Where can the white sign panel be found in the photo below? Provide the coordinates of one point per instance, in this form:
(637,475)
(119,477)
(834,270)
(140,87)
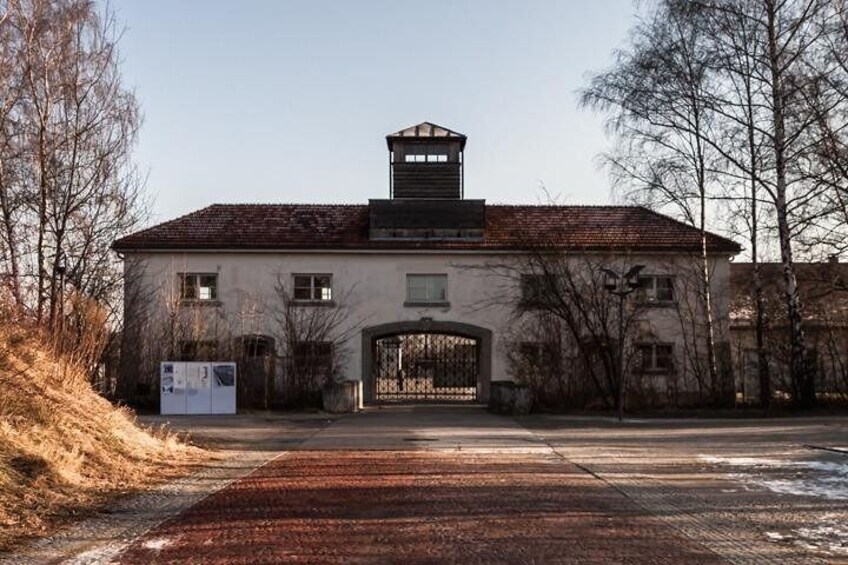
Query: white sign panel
(197,388)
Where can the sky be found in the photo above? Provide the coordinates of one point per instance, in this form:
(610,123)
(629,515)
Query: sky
(290,101)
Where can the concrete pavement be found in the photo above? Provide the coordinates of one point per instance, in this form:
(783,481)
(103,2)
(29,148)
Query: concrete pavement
(434,428)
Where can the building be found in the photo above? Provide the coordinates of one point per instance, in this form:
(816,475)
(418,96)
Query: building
(412,296)
(823,290)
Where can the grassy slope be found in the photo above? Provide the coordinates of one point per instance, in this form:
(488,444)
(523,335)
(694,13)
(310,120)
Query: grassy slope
(64,450)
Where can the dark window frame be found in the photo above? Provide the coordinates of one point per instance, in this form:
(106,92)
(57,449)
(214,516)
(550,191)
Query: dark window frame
(658,362)
(313,291)
(429,299)
(651,291)
(537,289)
(427,154)
(308,357)
(191,287)
(201,350)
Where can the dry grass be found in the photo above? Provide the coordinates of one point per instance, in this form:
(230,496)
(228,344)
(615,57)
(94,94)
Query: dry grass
(64,450)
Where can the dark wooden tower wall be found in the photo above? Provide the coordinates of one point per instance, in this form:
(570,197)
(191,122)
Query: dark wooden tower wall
(426,162)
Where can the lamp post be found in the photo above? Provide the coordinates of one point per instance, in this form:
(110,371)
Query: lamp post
(621,286)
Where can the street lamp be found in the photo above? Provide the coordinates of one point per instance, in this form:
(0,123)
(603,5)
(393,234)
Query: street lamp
(621,285)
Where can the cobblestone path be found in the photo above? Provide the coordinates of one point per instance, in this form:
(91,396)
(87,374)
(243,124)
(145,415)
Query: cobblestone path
(417,507)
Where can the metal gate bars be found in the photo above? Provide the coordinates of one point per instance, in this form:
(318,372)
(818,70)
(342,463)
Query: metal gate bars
(425,367)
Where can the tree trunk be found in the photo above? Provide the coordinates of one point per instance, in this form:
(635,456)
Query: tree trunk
(803,394)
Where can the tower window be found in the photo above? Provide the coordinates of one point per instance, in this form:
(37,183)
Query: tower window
(426,154)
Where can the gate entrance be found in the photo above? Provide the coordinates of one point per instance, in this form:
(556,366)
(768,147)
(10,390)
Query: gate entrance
(425,367)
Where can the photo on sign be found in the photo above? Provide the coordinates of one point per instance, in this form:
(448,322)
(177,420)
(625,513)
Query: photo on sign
(225,375)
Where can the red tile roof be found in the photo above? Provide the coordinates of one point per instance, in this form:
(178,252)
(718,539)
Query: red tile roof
(328,226)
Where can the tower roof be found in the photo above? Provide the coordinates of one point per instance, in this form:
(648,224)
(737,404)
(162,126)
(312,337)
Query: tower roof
(426,131)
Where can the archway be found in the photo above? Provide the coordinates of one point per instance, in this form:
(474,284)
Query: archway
(426,362)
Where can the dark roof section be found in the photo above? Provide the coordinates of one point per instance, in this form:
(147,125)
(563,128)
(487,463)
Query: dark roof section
(426,131)
(325,226)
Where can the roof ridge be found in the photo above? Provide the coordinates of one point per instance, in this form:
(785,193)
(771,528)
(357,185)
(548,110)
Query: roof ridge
(316,204)
(539,205)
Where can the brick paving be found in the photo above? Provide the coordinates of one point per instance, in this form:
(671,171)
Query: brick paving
(417,507)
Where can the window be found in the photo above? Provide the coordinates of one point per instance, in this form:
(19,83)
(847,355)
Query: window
(657,288)
(312,358)
(427,154)
(197,350)
(535,289)
(313,287)
(538,354)
(198,286)
(427,288)
(656,357)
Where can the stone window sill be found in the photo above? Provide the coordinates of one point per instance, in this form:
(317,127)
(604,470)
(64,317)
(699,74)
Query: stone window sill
(324,303)
(198,302)
(408,304)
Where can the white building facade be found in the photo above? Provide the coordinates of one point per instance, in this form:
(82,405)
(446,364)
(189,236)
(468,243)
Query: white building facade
(417,298)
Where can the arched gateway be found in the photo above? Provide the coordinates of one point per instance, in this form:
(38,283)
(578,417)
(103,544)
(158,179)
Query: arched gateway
(426,362)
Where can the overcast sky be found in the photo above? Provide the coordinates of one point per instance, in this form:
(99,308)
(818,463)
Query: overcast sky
(290,101)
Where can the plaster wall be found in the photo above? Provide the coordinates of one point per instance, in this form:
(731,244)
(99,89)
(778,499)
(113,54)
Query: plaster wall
(373,287)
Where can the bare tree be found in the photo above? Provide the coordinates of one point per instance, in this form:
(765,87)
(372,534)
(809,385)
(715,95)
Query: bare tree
(560,295)
(656,96)
(68,187)
(758,67)
(313,341)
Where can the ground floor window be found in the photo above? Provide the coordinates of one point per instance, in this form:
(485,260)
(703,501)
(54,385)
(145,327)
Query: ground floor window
(656,357)
(312,357)
(197,350)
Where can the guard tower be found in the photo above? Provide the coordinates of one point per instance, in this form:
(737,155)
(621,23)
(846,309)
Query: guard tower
(426,162)
(426,189)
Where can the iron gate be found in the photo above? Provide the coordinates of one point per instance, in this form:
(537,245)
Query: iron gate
(425,367)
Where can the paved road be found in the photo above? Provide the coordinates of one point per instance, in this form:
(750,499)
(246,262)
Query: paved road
(460,485)
(754,491)
(415,485)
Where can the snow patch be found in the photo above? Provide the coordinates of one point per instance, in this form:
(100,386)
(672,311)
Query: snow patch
(830,536)
(822,479)
(157,544)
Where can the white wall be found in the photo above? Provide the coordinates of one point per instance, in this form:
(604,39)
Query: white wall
(377,286)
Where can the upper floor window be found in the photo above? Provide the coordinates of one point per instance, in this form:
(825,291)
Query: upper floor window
(198,286)
(536,289)
(426,288)
(313,287)
(657,288)
(656,357)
